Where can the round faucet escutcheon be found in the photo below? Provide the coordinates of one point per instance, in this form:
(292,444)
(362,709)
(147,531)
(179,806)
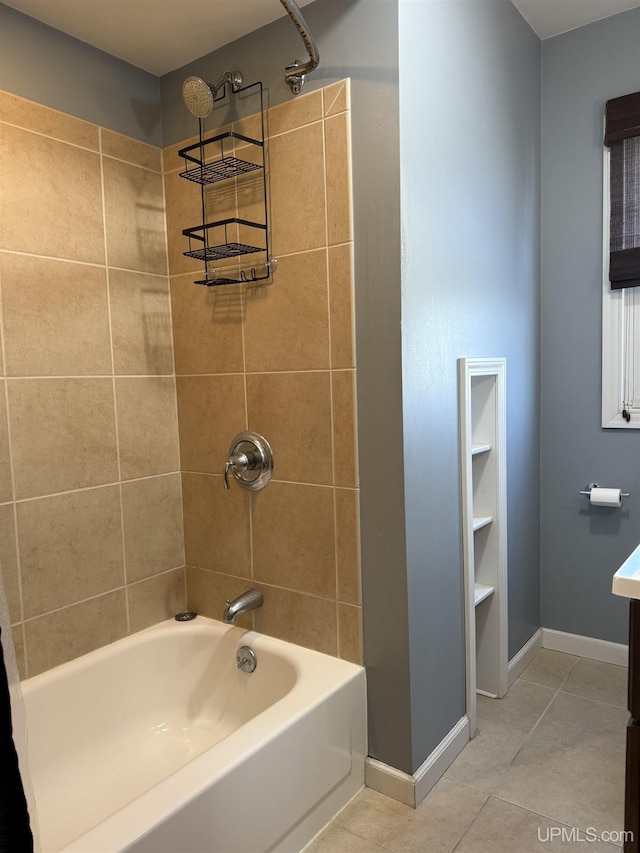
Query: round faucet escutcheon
(250,461)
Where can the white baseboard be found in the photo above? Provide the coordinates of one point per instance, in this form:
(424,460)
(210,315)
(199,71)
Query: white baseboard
(585,647)
(521,660)
(412,789)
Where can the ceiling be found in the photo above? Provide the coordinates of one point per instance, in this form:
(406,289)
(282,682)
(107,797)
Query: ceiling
(160,35)
(157,35)
(551,17)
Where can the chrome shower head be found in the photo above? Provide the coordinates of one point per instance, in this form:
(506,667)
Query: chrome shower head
(199,95)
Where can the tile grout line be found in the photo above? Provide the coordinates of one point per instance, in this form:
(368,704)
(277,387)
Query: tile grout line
(111,483)
(173,365)
(508,802)
(101,595)
(591,699)
(475,818)
(332,414)
(113,388)
(539,720)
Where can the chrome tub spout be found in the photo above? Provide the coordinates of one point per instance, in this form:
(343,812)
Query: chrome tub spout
(249,600)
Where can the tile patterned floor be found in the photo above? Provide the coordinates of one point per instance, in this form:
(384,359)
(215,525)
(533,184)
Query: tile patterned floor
(544,772)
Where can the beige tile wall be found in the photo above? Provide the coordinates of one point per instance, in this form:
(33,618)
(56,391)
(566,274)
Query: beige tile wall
(278,359)
(91,525)
(92,503)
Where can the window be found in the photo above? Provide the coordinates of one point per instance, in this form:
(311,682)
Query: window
(621,265)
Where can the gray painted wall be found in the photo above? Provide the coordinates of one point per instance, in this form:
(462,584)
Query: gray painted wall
(470,163)
(581,546)
(45,65)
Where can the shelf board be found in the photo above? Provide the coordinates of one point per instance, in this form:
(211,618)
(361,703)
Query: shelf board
(480,521)
(480,448)
(482,591)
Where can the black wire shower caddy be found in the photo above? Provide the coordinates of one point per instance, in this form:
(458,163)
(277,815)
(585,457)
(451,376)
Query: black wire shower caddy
(222,158)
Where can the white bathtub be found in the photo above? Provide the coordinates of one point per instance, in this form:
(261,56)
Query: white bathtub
(159,744)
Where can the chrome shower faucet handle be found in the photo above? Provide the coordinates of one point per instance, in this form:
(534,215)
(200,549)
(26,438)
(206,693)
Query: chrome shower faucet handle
(250,461)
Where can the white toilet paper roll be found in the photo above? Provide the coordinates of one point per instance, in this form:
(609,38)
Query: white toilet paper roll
(605,497)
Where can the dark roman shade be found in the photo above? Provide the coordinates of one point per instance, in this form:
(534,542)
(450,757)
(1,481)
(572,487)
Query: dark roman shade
(622,135)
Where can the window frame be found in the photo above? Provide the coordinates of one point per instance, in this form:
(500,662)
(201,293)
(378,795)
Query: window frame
(614,304)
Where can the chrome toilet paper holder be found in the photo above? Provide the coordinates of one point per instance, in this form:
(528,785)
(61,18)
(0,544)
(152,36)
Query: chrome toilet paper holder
(587,492)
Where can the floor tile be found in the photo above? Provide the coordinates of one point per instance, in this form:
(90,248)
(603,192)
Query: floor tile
(549,668)
(519,710)
(503,828)
(435,826)
(484,759)
(503,726)
(566,785)
(584,724)
(335,838)
(594,679)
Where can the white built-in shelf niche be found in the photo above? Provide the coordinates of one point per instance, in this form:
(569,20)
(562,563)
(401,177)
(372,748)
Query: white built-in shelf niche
(482,399)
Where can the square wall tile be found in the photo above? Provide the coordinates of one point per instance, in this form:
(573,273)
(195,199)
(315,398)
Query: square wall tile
(61,206)
(9,562)
(341,306)
(287,325)
(337,97)
(65,634)
(49,122)
(298,618)
(184,210)
(348,546)
(338,165)
(140,323)
(211,412)
(134,217)
(293,412)
(350,633)
(70,336)
(217,528)
(297,188)
(78,446)
(70,548)
(295,113)
(344,428)
(130,150)
(156,599)
(171,162)
(294,538)
(152,517)
(207,327)
(6,487)
(147,426)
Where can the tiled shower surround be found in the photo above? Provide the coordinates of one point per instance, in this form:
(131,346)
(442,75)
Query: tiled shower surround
(117,430)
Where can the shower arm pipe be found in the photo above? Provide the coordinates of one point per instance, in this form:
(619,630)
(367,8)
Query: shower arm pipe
(294,73)
(232,77)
